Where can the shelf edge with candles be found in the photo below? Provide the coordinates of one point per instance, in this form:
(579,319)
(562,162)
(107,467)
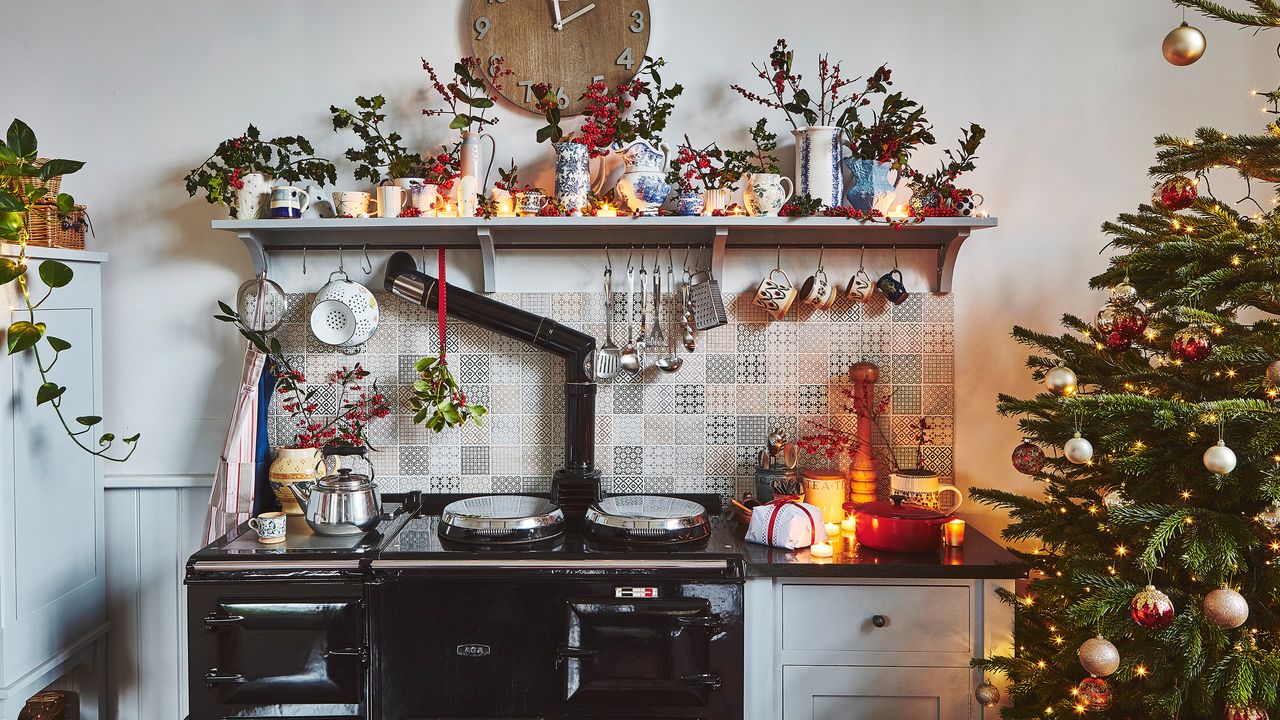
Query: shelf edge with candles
(942,236)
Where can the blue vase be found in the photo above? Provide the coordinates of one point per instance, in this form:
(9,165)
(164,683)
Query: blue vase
(689,203)
(869,184)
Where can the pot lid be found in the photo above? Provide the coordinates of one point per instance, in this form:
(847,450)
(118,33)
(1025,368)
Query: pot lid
(345,480)
(896,510)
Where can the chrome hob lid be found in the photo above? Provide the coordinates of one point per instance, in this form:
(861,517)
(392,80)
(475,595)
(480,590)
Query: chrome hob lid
(648,519)
(493,519)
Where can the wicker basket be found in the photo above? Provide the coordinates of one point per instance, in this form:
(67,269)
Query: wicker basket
(48,229)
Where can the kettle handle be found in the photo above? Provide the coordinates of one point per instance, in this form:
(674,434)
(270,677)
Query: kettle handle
(350,451)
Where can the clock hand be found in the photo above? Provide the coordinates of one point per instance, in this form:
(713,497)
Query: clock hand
(555,5)
(578,14)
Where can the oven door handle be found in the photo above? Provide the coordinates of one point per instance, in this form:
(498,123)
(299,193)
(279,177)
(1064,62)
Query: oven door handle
(359,653)
(213,622)
(710,680)
(213,679)
(569,652)
(712,622)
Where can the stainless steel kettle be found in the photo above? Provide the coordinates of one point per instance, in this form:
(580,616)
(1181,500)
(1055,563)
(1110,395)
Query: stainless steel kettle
(340,504)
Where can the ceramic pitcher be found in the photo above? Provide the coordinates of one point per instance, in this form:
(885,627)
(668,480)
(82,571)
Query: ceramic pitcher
(643,184)
(818,163)
(923,489)
(470,183)
(290,466)
(764,193)
(869,185)
(251,200)
(573,176)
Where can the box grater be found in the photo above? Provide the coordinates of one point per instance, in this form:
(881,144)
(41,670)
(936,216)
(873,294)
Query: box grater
(706,302)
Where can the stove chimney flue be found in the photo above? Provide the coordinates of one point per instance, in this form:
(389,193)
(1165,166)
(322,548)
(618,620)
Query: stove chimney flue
(577,485)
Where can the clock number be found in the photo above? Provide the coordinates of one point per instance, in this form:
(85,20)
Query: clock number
(638,25)
(482,27)
(528,91)
(493,1)
(625,59)
(562,100)
(494,62)
(597,79)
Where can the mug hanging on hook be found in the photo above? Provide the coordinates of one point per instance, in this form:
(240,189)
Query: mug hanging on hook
(891,283)
(860,287)
(818,291)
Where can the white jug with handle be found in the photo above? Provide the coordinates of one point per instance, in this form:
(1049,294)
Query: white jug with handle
(923,489)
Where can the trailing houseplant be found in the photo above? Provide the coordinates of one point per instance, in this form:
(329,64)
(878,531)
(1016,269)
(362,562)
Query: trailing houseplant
(236,160)
(382,149)
(22,185)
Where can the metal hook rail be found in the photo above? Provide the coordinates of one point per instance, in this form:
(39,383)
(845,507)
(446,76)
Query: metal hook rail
(711,235)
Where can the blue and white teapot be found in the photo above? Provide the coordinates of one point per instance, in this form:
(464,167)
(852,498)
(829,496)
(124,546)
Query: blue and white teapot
(643,184)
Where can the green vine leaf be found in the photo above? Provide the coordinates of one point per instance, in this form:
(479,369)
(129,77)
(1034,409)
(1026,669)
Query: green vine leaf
(10,270)
(10,202)
(21,139)
(58,166)
(132,438)
(89,420)
(106,438)
(58,344)
(49,392)
(55,274)
(24,335)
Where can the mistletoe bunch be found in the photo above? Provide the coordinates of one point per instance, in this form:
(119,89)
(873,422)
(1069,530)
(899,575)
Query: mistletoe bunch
(438,402)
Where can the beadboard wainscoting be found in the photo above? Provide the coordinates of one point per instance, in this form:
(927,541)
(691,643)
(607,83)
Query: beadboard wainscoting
(693,431)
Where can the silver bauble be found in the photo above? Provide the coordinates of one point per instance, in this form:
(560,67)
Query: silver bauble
(1124,291)
(1060,380)
(1183,45)
(1099,657)
(1226,608)
(986,694)
(1115,499)
(1220,459)
(1273,374)
(1078,450)
(1270,517)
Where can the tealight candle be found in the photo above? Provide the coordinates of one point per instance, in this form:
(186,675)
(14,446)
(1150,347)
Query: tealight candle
(833,529)
(898,213)
(821,550)
(953,533)
(607,210)
(848,525)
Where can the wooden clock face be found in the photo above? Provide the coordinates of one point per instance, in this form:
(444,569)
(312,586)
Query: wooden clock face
(599,40)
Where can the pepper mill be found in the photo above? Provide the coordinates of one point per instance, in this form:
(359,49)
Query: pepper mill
(862,472)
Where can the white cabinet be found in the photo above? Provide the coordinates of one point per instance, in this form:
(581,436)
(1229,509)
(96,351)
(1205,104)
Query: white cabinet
(867,649)
(52,565)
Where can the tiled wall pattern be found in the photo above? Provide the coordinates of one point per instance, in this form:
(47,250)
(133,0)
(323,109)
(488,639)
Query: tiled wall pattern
(696,430)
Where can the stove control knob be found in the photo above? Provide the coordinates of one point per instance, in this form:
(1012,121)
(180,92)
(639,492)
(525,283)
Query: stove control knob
(879,620)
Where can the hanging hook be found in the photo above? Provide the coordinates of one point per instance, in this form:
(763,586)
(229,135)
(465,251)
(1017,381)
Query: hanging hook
(778,261)
(685,264)
(340,258)
(895,257)
(608,261)
(304,259)
(631,249)
(862,258)
(367,270)
(266,265)
(671,261)
(424,258)
(821,249)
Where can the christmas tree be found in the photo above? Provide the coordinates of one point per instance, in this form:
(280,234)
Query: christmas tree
(1154,587)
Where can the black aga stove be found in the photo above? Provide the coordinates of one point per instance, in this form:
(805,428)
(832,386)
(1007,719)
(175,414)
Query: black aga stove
(421,620)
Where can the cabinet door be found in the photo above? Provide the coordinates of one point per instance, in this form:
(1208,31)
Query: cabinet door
(874,693)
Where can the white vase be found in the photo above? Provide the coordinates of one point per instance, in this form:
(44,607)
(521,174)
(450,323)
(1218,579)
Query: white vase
(252,199)
(643,184)
(716,199)
(818,163)
(470,183)
(764,193)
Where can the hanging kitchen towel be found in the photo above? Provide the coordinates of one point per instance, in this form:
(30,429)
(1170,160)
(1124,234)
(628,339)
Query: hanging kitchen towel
(786,523)
(264,500)
(231,499)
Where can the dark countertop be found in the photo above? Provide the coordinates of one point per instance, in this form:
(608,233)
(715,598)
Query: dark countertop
(980,558)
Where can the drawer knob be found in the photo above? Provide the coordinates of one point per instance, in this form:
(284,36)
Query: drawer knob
(879,620)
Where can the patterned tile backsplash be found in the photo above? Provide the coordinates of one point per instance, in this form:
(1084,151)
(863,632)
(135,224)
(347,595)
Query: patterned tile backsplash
(696,430)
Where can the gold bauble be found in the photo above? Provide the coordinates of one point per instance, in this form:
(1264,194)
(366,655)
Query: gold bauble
(1183,45)
(986,694)
(1099,657)
(1226,608)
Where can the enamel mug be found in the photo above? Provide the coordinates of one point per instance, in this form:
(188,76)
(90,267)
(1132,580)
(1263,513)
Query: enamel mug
(270,526)
(922,488)
(774,295)
(891,285)
(531,202)
(859,288)
(288,201)
(351,204)
(391,200)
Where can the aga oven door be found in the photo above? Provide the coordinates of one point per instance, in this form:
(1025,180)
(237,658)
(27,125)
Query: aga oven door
(639,653)
(301,648)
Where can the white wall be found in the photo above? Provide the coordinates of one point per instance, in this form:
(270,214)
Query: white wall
(1071,93)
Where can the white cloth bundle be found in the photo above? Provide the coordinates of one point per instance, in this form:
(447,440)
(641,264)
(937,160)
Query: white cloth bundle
(796,525)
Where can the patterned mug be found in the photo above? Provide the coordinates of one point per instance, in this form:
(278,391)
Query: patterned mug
(859,289)
(922,488)
(531,202)
(891,285)
(270,527)
(775,296)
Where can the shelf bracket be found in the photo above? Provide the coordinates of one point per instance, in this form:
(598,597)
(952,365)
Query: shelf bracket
(718,245)
(257,253)
(488,258)
(947,254)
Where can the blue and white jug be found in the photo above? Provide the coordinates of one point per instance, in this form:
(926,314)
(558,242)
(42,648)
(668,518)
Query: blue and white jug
(643,184)
(869,185)
(288,201)
(573,176)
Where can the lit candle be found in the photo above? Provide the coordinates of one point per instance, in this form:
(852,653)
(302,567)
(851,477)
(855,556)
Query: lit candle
(848,525)
(446,210)
(821,550)
(737,209)
(833,529)
(607,210)
(898,213)
(953,533)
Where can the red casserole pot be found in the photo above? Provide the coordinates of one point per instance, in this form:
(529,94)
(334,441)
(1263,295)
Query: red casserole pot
(896,527)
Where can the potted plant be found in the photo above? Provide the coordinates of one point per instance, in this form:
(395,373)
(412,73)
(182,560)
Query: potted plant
(240,171)
(638,140)
(717,171)
(26,181)
(574,152)
(764,193)
(382,151)
(467,99)
(880,147)
(937,193)
(815,117)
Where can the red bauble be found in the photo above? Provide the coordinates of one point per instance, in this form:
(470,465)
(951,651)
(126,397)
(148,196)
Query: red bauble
(1176,193)
(1094,694)
(1028,458)
(1151,609)
(1129,321)
(1191,343)
(1116,341)
(1245,712)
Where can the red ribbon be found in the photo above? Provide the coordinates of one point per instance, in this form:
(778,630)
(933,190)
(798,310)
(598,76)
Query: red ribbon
(781,501)
(441,306)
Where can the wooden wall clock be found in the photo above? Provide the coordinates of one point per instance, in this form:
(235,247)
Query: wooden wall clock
(567,43)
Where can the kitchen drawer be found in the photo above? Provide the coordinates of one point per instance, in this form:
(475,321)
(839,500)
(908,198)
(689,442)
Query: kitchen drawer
(872,693)
(933,619)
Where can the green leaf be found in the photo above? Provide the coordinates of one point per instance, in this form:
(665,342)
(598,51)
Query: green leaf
(55,274)
(48,392)
(106,438)
(58,344)
(21,139)
(10,270)
(10,202)
(459,122)
(7,156)
(89,420)
(544,134)
(58,166)
(24,335)
(132,438)
(66,203)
